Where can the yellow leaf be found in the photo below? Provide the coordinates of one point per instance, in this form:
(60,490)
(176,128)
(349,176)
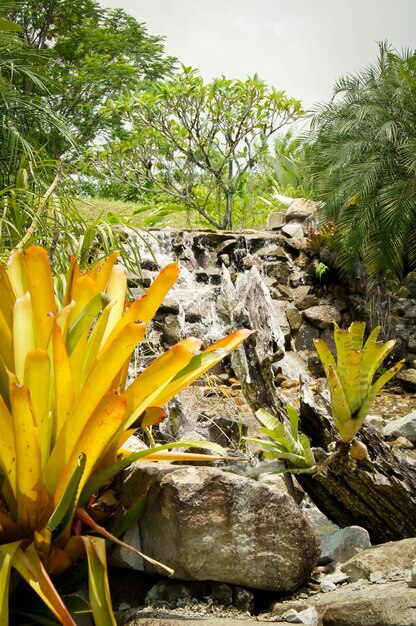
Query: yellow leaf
(116,289)
(157,291)
(6,343)
(64,386)
(37,380)
(156,377)
(31,495)
(99,591)
(7,297)
(90,395)
(41,289)
(101,271)
(325,354)
(23,333)
(201,363)
(93,440)
(73,275)
(16,273)
(340,410)
(83,290)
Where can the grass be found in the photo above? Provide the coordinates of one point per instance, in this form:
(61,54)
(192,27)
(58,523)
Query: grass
(95,208)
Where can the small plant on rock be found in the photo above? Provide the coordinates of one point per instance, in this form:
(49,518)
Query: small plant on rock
(66,409)
(351,378)
(285,444)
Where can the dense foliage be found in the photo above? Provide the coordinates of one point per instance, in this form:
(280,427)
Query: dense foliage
(94,54)
(362,165)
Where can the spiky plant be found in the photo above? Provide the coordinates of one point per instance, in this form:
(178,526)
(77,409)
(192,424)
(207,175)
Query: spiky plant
(284,444)
(351,375)
(65,410)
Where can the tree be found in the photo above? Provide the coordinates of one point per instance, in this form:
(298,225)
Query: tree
(96,53)
(194,141)
(362,165)
(26,122)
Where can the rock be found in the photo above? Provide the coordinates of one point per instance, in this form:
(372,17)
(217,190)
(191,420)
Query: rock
(403,427)
(272,252)
(383,558)
(300,209)
(225,430)
(189,621)
(308,616)
(307,301)
(279,608)
(322,316)
(377,422)
(326,586)
(294,318)
(345,543)
(411,580)
(212,525)
(305,336)
(172,331)
(408,378)
(402,443)
(293,230)
(275,221)
(336,578)
(392,604)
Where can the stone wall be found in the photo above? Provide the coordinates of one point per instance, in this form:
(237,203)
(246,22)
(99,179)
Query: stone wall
(303,305)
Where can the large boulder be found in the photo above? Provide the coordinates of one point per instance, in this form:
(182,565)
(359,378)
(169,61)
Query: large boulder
(383,560)
(208,524)
(392,604)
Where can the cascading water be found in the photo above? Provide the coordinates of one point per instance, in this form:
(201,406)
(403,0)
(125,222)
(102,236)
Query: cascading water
(193,302)
(211,263)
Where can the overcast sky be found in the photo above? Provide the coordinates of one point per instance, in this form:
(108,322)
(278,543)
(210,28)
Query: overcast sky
(301,46)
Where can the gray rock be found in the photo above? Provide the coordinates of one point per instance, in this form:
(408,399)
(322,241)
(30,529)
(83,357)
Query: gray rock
(300,209)
(393,555)
(308,616)
(326,586)
(305,336)
(294,318)
(275,221)
(293,230)
(403,427)
(322,316)
(411,580)
(392,604)
(377,422)
(211,525)
(345,543)
(407,377)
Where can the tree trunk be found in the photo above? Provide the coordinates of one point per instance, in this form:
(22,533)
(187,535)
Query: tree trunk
(378,494)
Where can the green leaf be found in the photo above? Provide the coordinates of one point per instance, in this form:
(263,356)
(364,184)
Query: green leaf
(9,27)
(7,552)
(84,320)
(99,591)
(64,512)
(130,518)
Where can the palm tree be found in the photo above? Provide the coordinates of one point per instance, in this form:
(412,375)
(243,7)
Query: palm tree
(361,161)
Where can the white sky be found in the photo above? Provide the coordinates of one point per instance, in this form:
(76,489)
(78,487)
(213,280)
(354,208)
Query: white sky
(301,46)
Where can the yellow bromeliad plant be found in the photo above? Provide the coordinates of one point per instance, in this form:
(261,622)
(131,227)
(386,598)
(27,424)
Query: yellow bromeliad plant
(351,375)
(65,410)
